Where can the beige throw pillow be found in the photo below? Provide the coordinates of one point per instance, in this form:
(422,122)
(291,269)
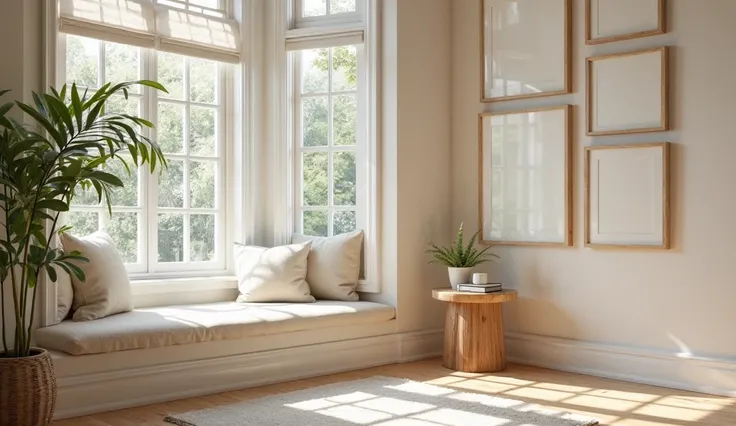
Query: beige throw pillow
(333,266)
(106,290)
(275,274)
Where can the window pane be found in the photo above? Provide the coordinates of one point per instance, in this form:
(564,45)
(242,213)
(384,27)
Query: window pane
(344,116)
(202,131)
(123,228)
(170,237)
(315,189)
(342,6)
(202,80)
(122,63)
(315,67)
(314,223)
(171,185)
(343,166)
(202,184)
(128,195)
(85,196)
(315,127)
(83,223)
(202,238)
(120,105)
(314,7)
(170,127)
(82,61)
(343,221)
(344,68)
(171,74)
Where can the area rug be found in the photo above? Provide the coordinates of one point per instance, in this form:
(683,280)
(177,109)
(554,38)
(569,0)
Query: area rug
(379,401)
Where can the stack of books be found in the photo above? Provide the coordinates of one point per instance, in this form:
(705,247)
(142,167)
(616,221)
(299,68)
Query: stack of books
(479,288)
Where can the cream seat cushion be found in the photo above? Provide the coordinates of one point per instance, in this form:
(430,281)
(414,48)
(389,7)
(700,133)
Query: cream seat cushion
(179,325)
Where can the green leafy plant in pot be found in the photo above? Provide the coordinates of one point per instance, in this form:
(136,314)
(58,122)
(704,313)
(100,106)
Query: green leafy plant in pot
(68,144)
(460,259)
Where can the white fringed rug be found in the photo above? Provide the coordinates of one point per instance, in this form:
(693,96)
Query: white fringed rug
(383,401)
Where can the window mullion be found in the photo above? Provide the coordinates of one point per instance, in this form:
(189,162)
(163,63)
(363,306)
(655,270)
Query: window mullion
(186,217)
(151,103)
(330,143)
(101,64)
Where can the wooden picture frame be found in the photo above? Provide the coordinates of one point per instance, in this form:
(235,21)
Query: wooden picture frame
(628,92)
(637,21)
(527,46)
(532,150)
(632,213)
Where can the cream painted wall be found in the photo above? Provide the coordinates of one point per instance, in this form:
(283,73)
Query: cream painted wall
(676,301)
(415,156)
(21,71)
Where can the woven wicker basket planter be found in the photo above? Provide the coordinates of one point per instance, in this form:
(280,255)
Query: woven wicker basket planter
(27,390)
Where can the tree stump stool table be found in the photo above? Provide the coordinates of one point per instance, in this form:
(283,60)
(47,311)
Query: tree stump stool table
(474,330)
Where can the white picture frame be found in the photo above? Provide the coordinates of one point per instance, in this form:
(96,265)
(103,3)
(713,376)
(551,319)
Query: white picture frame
(608,21)
(628,92)
(525,177)
(627,202)
(525,49)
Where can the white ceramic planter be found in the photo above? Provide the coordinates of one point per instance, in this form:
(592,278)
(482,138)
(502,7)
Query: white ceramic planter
(459,276)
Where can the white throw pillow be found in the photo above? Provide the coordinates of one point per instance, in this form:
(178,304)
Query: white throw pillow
(106,290)
(275,274)
(333,266)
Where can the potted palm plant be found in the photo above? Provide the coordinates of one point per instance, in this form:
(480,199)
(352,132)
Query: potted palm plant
(460,259)
(71,140)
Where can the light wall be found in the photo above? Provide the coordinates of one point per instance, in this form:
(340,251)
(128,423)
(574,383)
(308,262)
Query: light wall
(675,302)
(415,156)
(21,71)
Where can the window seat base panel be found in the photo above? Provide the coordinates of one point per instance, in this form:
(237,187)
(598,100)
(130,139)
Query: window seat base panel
(162,379)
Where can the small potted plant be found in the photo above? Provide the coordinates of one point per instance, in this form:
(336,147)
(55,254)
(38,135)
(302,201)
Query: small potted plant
(459,259)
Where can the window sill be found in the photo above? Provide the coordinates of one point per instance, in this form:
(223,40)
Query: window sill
(181,285)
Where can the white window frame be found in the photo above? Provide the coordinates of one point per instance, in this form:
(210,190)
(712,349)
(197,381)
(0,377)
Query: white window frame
(315,29)
(359,148)
(148,266)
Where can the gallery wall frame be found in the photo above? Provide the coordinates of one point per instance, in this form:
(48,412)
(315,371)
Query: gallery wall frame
(527,49)
(537,162)
(627,196)
(608,21)
(628,92)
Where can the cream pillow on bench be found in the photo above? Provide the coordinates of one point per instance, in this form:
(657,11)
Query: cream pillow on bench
(333,266)
(275,274)
(106,290)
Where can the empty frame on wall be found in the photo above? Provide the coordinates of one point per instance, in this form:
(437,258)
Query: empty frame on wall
(615,20)
(627,196)
(628,92)
(525,168)
(525,48)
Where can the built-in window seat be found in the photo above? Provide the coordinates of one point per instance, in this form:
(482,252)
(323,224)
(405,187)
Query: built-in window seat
(187,324)
(165,353)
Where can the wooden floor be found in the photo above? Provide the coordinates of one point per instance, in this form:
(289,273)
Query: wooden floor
(611,402)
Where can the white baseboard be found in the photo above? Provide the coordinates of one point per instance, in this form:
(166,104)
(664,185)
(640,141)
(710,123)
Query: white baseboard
(98,392)
(707,375)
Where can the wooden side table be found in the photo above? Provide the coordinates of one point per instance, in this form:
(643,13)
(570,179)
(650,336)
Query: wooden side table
(474,330)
